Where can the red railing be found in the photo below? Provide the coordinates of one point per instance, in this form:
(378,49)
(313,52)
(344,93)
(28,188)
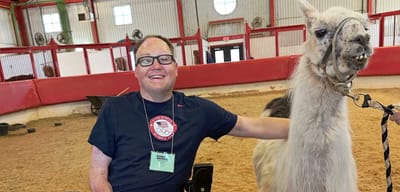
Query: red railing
(381,18)
(275,31)
(55,48)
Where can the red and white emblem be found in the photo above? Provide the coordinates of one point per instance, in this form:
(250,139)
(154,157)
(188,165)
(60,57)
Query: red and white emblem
(162,127)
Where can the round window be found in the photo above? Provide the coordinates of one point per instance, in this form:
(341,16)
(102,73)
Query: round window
(224,7)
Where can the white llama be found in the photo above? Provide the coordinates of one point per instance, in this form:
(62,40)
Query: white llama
(317,156)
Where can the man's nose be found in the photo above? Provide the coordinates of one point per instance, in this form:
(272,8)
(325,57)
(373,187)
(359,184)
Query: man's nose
(156,62)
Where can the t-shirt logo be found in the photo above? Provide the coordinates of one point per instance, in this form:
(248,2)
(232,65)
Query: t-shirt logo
(162,127)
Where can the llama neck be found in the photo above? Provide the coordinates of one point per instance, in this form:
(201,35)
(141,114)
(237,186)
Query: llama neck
(316,86)
(318,110)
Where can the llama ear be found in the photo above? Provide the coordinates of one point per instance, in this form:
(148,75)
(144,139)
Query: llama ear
(309,11)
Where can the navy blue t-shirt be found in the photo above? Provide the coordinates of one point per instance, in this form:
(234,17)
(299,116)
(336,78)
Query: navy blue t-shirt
(122,133)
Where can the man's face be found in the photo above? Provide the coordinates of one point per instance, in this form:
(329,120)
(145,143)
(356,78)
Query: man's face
(156,78)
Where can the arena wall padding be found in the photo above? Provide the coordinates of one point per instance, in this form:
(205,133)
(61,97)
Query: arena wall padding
(248,71)
(69,89)
(17,96)
(384,61)
(21,95)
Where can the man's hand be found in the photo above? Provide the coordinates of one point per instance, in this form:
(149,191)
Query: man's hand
(396,117)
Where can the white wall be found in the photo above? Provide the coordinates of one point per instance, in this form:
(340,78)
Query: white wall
(33,21)
(71,64)
(150,16)
(20,64)
(259,49)
(247,9)
(100,61)
(160,16)
(387,5)
(7,36)
(12,68)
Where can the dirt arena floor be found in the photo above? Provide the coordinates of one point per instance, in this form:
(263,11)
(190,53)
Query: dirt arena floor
(56,158)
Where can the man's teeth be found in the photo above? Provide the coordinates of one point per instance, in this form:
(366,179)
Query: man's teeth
(156,76)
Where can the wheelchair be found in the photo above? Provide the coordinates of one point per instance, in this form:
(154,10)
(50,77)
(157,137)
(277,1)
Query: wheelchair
(201,179)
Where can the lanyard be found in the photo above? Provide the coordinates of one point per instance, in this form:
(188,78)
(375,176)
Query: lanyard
(148,125)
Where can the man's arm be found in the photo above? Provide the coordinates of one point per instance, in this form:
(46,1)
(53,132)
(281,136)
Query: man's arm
(98,173)
(262,128)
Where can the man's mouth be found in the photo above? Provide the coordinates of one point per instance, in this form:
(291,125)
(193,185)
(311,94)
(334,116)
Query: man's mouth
(156,76)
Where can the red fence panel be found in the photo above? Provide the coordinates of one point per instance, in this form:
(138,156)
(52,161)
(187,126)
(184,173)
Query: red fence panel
(384,61)
(18,95)
(247,71)
(69,89)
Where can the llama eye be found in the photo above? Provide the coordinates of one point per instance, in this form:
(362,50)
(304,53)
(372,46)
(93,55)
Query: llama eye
(320,33)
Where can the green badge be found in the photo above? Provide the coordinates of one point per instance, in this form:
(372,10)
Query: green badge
(163,162)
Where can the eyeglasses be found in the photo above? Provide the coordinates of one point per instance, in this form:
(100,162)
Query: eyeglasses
(147,61)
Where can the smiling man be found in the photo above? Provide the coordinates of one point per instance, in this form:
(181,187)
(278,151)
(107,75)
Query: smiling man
(147,141)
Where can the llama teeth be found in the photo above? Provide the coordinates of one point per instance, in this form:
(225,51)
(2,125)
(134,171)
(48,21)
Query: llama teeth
(361,57)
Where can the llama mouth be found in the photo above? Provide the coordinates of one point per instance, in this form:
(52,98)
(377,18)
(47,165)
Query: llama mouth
(358,62)
(362,57)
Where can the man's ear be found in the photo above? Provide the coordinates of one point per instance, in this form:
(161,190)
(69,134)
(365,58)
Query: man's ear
(177,66)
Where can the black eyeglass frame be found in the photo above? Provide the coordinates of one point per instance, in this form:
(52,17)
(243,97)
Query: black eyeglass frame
(139,60)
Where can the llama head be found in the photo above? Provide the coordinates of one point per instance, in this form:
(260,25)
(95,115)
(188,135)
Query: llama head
(338,42)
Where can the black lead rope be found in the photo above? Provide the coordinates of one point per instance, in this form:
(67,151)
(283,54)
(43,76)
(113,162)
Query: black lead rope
(385,142)
(387,111)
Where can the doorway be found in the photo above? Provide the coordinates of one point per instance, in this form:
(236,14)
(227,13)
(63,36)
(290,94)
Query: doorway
(227,53)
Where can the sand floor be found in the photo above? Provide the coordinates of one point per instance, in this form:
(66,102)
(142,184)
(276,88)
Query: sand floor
(56,158)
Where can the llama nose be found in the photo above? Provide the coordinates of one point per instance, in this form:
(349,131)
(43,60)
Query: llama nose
(361,39)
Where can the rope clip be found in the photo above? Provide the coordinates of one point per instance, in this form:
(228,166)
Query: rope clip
(368,102)
(357,99)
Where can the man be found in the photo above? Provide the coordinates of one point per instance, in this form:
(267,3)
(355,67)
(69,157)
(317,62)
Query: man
(147,140)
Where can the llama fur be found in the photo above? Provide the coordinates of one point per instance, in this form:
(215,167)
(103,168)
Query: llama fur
(317,156)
